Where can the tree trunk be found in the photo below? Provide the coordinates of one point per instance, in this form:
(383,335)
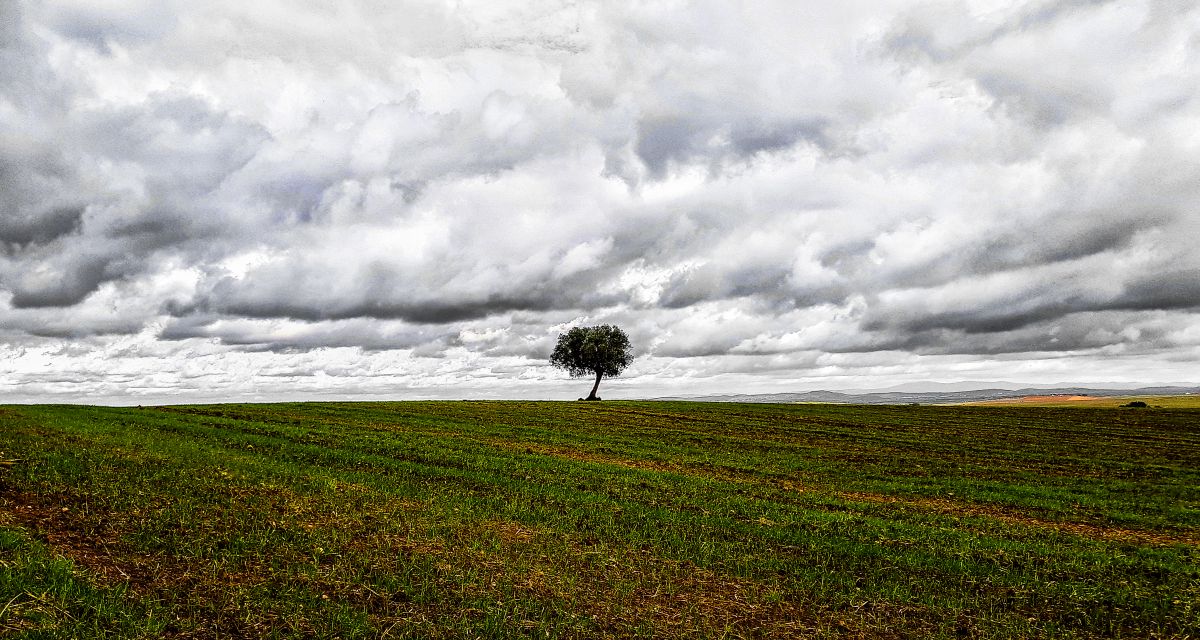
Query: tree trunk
(592,395)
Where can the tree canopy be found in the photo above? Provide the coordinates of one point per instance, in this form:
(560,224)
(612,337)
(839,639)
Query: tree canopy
(601,351)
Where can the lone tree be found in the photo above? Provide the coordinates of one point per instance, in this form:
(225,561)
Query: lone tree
(583,351)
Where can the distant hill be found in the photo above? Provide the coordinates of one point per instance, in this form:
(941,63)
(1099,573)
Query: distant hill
(933,397)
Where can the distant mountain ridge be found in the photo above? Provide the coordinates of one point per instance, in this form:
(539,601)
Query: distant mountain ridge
(932,397)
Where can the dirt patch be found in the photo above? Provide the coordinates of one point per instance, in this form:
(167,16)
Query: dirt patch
(61,530)
(511,532)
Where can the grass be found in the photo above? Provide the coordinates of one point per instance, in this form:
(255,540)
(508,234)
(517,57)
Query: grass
(613,519)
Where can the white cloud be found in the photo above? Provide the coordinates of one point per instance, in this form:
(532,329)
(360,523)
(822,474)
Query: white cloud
(357,198)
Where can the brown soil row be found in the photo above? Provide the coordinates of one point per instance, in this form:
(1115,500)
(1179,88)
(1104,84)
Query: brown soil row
(937,505)
(1009,516)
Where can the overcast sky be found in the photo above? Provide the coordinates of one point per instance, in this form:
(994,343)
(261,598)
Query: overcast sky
(374,199)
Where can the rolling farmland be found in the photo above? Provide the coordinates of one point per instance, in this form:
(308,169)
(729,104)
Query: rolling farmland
(613,519)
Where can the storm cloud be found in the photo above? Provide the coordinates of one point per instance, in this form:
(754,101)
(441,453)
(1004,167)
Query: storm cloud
(224,199)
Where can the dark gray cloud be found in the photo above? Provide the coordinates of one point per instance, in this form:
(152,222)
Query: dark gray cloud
(1117,332)
(1174,288)
(18,233)
(63,283)
(305,336)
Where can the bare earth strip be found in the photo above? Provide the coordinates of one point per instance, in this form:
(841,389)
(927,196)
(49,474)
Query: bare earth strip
(1081,529)
(935,505)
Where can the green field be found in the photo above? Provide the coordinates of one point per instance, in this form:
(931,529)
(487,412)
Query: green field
(613,519)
